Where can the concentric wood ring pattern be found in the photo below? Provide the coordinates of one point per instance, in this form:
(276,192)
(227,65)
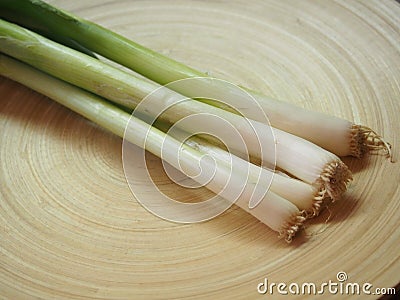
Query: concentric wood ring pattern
(71,229)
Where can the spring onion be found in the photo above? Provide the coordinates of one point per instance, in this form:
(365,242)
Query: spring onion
(299,157)
(275,211)
(337,135)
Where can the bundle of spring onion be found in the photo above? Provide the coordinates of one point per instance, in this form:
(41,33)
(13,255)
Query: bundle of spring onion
(302,151)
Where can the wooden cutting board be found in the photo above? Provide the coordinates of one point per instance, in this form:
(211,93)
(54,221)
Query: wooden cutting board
(71,229)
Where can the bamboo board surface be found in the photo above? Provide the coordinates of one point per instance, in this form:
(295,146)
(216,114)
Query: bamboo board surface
(71,229)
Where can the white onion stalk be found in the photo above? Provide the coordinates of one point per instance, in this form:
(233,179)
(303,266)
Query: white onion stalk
(344,138)
(306,197)
(336,135)
(295,155)
(274,211)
